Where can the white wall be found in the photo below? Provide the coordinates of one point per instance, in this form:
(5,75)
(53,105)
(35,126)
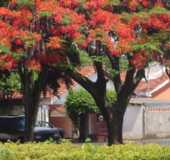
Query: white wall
(152,121)
(157,122)
(133,122)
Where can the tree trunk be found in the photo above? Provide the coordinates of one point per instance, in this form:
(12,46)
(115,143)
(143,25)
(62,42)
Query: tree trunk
(115,124)
(83,127)
(110,133)
(30,120)
(115,128)
(31,97)
(31,103)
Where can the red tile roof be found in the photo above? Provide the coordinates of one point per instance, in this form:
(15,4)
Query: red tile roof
(87,71)
(152,86)
(143,87)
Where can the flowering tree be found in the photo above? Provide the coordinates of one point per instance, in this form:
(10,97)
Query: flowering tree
(40,38)
(134,30)
(29,47)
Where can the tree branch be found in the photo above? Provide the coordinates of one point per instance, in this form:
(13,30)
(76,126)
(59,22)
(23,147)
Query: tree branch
(139,75)
(131,82)
(126,88)
(79,78)
(115,66)
(39,84)
(100,73)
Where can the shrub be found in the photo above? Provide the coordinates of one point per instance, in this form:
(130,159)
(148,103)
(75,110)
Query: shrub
(79,103)
(68,151)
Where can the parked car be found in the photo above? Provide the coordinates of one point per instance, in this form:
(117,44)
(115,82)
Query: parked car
(44,130)
(13,127)
(46,126)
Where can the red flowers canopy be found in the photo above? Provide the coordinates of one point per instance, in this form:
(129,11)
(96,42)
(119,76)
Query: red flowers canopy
(37,32)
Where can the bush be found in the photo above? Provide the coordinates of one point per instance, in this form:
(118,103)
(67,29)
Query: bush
(67,151)
(79,103)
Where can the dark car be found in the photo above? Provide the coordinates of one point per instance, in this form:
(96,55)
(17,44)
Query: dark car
(44,130)
(12,128)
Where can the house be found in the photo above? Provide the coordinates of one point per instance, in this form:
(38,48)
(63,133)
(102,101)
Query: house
(57,113)
(155,86)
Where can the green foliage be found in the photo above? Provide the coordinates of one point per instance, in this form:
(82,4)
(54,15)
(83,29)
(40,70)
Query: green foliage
(80,101)
(6,154)
(4,3)
(84,58)
(4,50)
(34,75)
(25,2)
(110,97)
(10,83)
(66,20)
(148,46)
(144,13)
(158,10)
(114,2)
(68,151)
(45,14)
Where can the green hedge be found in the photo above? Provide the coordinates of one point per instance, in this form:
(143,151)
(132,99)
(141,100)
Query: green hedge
(46,151)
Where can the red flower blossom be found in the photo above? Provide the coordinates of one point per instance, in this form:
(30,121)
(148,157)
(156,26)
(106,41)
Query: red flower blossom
(104,18)
(7,62)
(139,60)
(33,64)
(91,4)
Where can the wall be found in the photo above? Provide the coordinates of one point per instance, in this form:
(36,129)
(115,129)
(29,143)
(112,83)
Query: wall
(157,122)
(59,118)
(143,119)
(132,126)
(148,120)
(133,122)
